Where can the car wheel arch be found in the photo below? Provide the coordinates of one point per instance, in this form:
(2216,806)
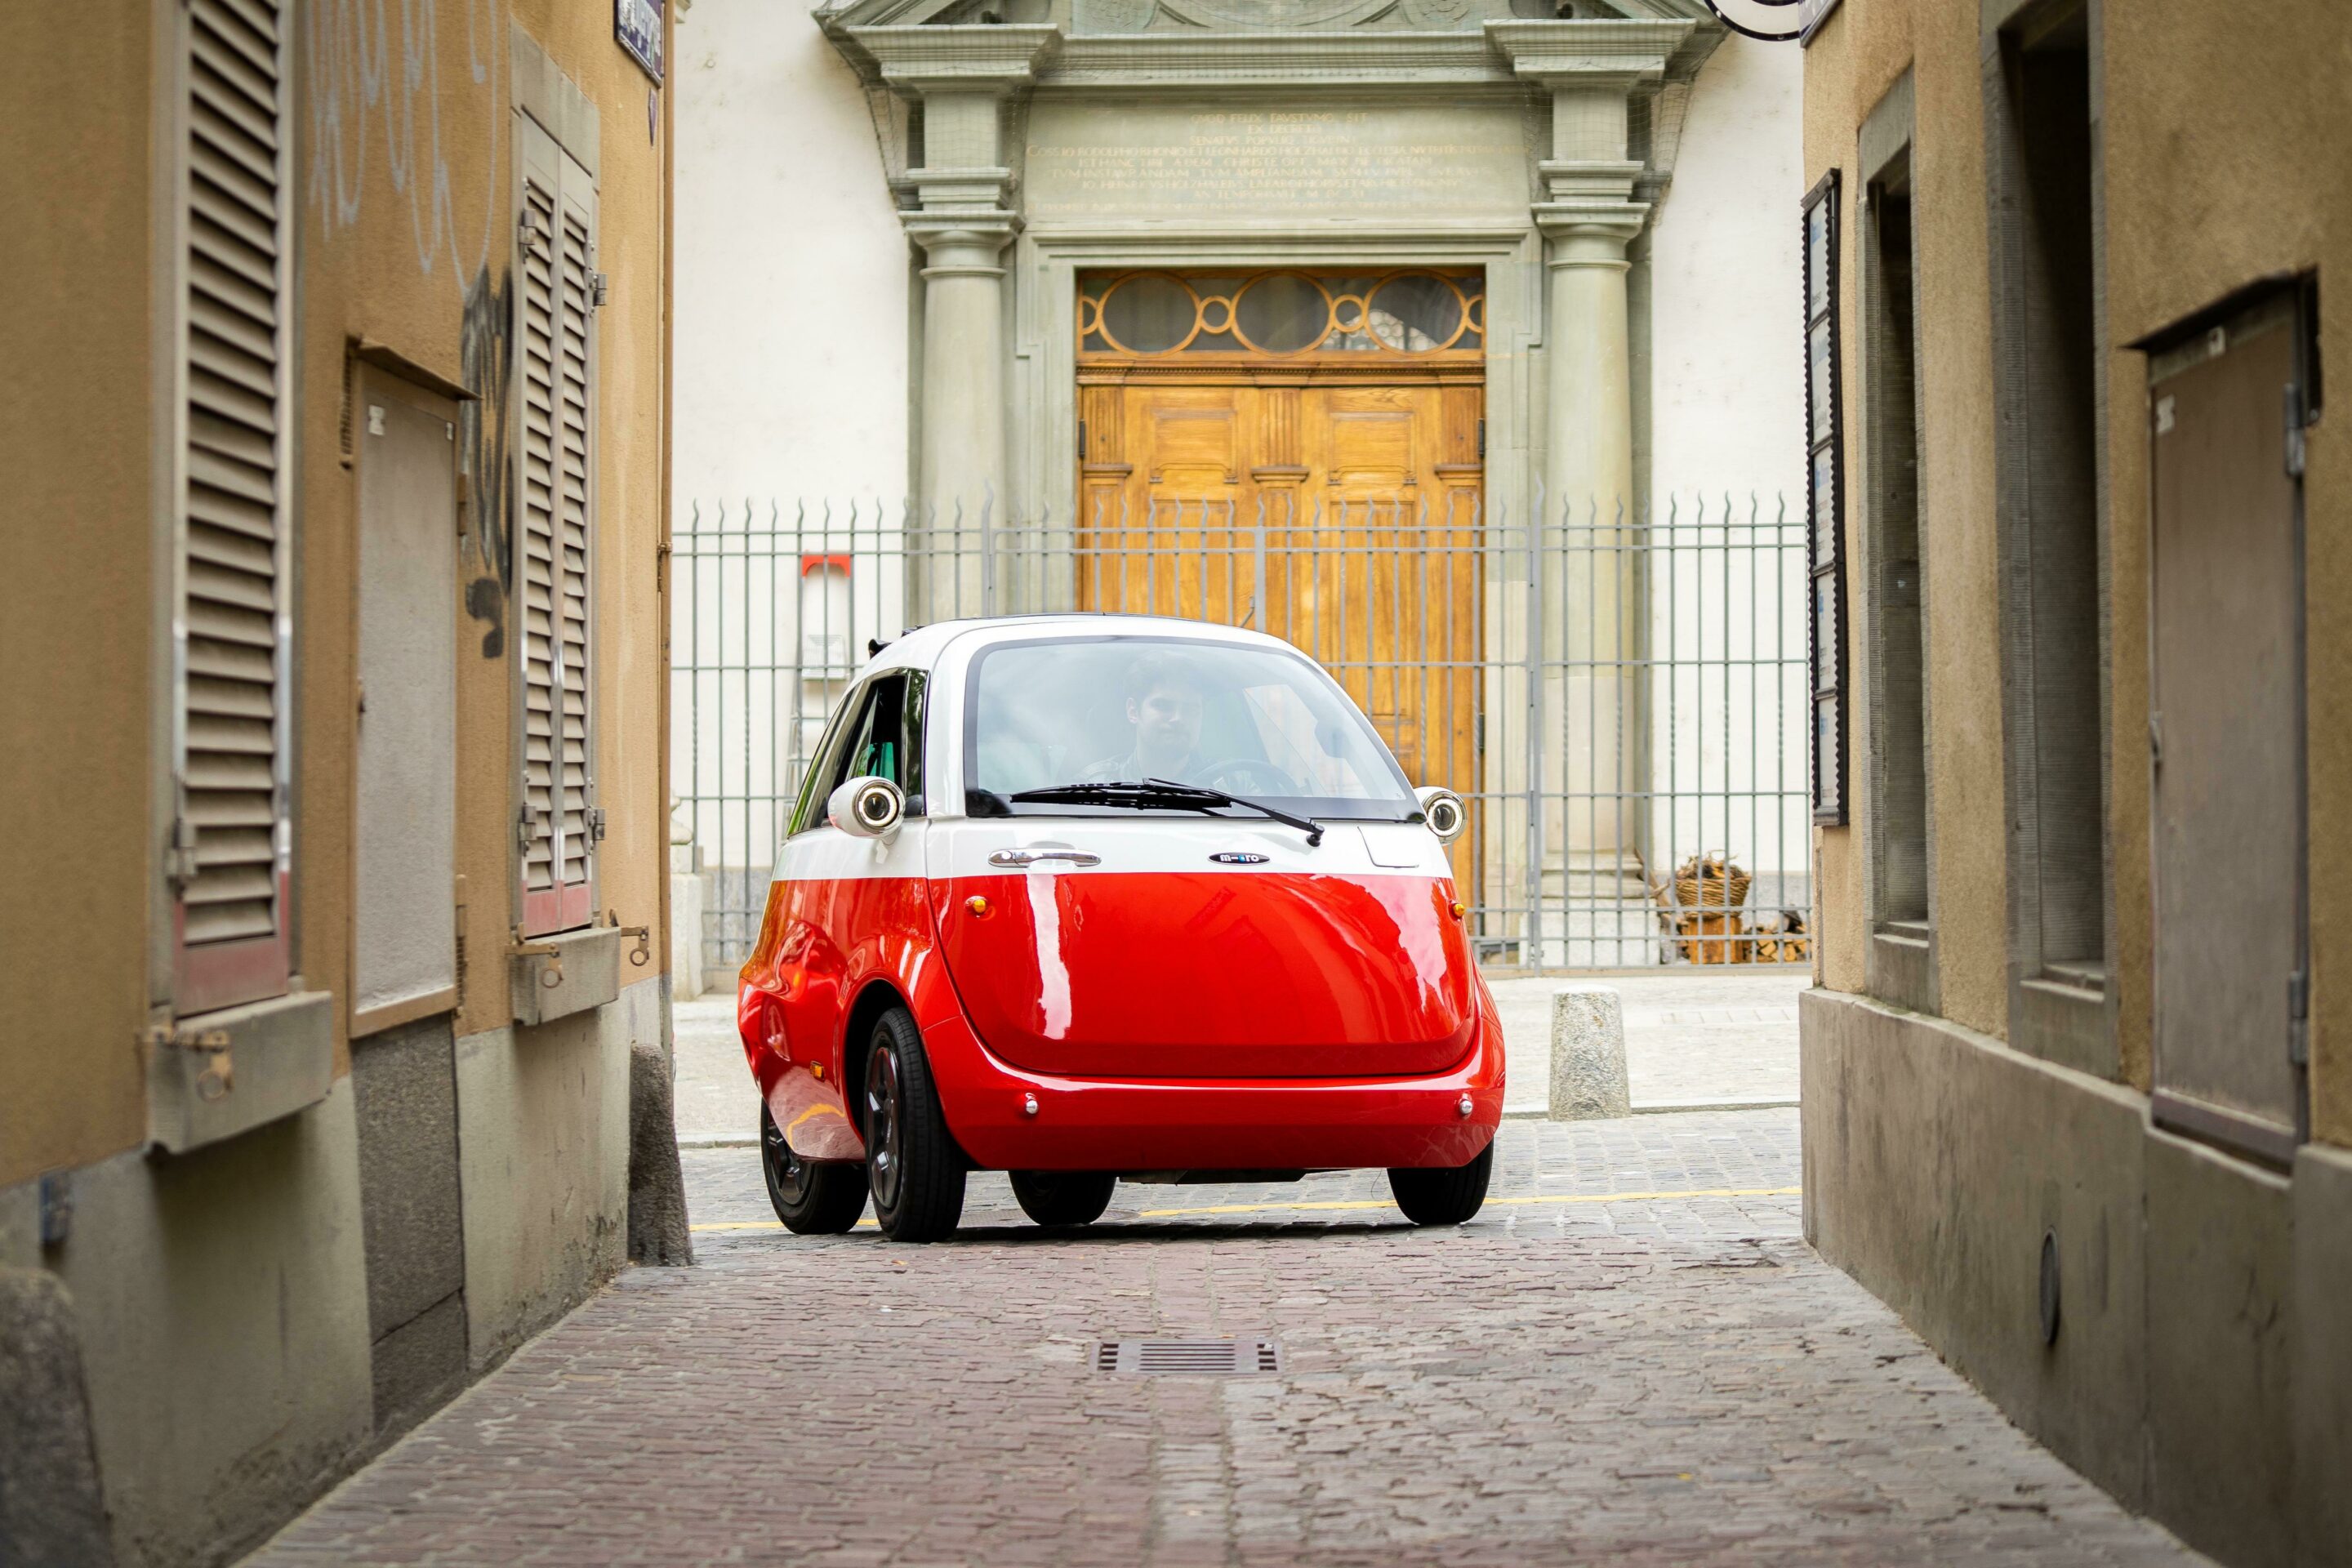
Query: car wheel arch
(877,997)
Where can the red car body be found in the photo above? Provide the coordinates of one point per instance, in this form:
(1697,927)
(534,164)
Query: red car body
(1148,994)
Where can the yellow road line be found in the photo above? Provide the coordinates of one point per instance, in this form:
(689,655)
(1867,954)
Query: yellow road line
(1378,1204)
(1491,1203)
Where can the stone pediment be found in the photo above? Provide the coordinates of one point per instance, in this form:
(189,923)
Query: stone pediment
(1083,18)
(1415,46)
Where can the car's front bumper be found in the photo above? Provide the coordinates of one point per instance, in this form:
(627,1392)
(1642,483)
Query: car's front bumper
(1213,1124)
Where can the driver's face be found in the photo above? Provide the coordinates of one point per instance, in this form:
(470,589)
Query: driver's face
(1167,723)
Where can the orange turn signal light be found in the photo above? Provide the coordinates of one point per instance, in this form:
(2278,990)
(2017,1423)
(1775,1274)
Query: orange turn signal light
(976,904)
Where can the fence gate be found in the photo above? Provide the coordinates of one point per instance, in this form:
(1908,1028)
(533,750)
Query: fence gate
(1621,702)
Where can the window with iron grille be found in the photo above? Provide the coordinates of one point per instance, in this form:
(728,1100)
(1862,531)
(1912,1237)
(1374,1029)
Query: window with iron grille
(1825,513)
(230,855)
(559,821)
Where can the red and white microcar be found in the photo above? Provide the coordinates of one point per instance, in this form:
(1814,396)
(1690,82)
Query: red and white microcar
(1099,897)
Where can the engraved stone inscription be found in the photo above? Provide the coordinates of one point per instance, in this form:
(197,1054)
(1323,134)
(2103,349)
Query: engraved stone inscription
(1274,162)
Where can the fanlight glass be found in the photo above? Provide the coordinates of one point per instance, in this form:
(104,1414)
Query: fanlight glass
(1134,315)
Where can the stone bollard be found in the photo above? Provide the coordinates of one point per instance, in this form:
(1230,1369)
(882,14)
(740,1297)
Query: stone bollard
(1588,1055)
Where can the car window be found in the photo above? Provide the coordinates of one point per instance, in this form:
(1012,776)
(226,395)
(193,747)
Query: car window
(1256,722)
(879,733)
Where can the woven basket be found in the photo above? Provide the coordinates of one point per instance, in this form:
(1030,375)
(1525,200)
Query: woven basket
(1709,882)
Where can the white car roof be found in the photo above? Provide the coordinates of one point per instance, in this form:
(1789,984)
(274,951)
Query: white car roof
(925,647)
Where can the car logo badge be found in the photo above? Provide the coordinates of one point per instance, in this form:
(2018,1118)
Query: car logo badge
(1238,857)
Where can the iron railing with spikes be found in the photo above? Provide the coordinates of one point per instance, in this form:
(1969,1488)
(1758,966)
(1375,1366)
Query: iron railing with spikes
(1618,695)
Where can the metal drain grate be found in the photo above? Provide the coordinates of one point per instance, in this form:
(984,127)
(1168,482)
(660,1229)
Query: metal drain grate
(1201,1358)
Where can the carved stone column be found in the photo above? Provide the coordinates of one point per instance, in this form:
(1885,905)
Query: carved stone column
(1594,767)
(967,211)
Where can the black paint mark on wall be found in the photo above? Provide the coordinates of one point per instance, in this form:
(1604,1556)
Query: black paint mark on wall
(483,341)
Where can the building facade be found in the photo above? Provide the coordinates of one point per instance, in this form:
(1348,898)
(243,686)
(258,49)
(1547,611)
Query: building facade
(1385,325)
(2077,1091)
(334,709)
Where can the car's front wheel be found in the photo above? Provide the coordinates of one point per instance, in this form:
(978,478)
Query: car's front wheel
(912,1164)
(1442,1196)
(1062,1197)
(810,1198)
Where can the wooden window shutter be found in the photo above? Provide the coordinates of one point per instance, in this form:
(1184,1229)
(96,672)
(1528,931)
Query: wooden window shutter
(228,856)
(559,821)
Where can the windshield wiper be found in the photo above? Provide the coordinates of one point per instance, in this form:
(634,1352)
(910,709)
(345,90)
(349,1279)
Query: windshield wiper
(1161,792)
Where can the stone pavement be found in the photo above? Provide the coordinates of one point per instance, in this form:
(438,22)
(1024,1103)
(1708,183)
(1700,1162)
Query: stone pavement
(1630,1356)
(1692,1035)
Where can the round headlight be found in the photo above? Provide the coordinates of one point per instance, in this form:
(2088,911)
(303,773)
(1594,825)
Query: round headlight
(1444,813)
(868,807)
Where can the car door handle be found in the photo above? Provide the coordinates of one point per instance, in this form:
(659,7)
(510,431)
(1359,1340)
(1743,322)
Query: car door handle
(1031,856)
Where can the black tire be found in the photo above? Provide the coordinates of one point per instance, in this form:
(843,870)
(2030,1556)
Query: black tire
(811,1197)
(912,1164)
(1443,1197)
(1063,1197)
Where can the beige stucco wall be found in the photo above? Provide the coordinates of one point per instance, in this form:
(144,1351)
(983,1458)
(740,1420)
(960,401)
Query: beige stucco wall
(222,1295)
(74,440)
(2212,182)
(400,189)
(2198,1370)
(2223,157)
(1858,55)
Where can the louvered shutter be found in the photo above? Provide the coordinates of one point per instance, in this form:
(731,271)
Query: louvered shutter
(554,347)
(229,863)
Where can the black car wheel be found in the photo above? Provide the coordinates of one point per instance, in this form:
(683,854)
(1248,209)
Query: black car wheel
(811,1197)
(1443,1197)
(912,1163)
(1062,1197)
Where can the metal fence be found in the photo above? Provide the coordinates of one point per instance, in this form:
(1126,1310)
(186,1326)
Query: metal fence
(1620,700)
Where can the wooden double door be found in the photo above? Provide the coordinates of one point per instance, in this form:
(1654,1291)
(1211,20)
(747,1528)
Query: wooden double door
(1343,517)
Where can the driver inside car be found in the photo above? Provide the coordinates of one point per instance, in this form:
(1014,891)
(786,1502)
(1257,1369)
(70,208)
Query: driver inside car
(1163,703)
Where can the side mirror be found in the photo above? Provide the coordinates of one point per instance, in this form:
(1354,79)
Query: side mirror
(867,807)
(1444,813)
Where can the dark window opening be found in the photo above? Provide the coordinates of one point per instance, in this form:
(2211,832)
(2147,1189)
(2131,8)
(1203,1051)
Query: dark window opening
(1899,720)
(2049,437)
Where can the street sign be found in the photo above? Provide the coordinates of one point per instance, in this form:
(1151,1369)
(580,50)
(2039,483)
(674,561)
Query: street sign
(637,24)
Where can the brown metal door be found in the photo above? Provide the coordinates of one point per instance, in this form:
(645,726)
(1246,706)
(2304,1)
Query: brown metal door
(2229,731)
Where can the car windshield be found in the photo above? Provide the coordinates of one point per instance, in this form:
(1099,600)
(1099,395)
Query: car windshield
(1260,723)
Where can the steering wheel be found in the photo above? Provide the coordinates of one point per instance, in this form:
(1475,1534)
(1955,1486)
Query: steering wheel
(1245,776)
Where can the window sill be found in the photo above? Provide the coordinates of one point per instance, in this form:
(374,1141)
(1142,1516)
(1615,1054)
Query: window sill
(216,1074)
(2079,974)
(584,967)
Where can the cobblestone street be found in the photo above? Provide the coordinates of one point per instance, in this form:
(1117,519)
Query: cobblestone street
(1631,1355)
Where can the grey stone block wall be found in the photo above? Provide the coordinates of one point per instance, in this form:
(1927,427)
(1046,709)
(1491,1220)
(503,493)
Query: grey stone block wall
(412,1214)
(52,1509)
(2201,1371)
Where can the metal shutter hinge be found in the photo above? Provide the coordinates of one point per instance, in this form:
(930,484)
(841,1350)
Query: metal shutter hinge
(531,237)
(2155,740)
(596,825)
(2298,1012)
(641,955)
(219,1075)
(2296,448)
(597,288)
(526,827)
(552,976)
(180,852)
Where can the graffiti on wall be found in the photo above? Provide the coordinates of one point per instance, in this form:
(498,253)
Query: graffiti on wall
(378,94)
(483,346)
